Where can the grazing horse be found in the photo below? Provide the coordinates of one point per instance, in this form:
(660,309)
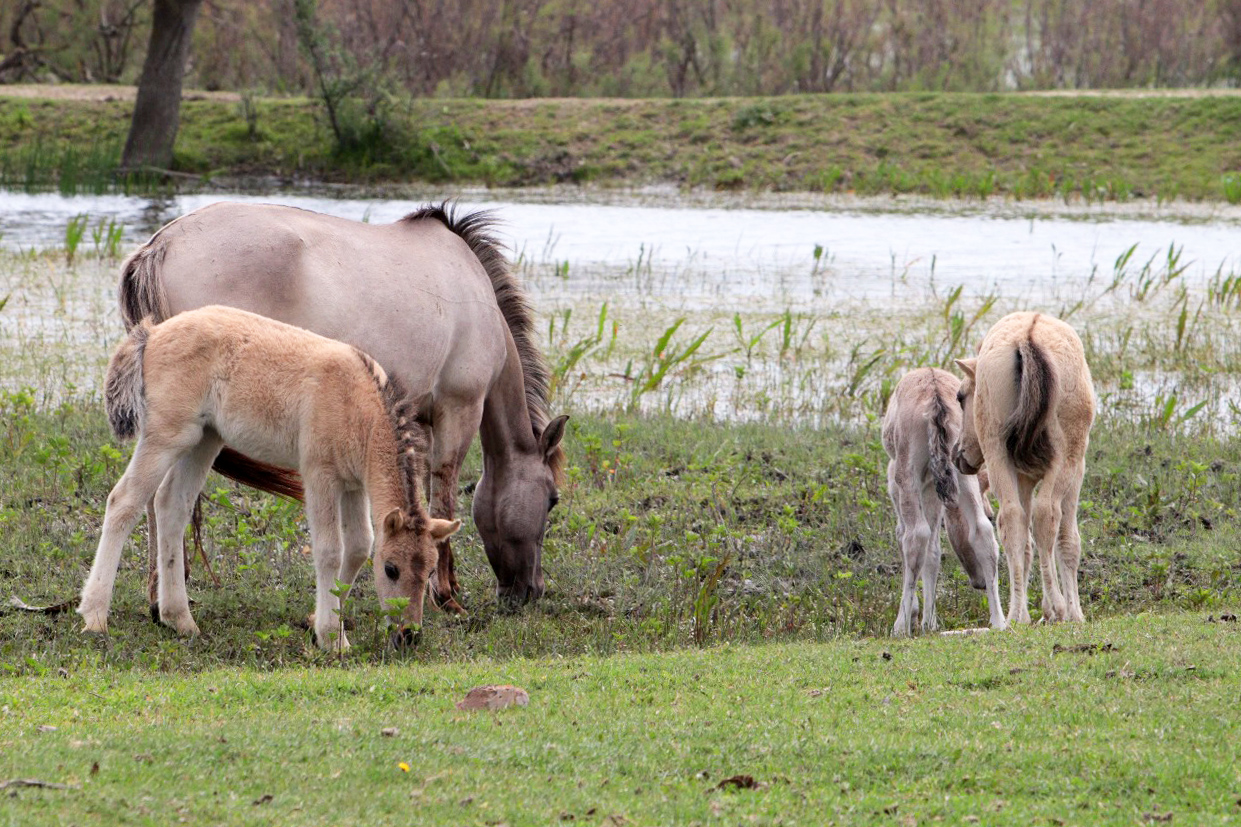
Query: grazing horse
(285,396)
(921,429)
(1029,404)
(431,298)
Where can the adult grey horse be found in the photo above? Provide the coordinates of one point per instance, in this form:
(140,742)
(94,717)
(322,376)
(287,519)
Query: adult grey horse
(432,299)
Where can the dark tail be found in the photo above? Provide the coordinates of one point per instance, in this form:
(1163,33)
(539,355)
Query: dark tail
(124,392)
(260,475)
(1026,432)
(940,445)
(140,292)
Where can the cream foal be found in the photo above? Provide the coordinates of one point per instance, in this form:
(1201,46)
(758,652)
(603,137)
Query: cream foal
(921,430)
(1029,403)
(217,376)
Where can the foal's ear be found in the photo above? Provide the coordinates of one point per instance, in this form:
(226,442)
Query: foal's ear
(394,521)
(439,529)
(552,434)
(967,366)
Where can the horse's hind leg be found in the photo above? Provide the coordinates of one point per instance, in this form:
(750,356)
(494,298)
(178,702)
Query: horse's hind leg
(174,503)
(1069,544)
(1014,494)
(1047,517)
(147,468)
(913,535)
(933,513)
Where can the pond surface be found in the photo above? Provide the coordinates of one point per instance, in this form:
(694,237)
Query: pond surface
(713,250)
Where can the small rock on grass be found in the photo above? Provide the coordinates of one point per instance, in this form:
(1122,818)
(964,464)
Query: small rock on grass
(495,696)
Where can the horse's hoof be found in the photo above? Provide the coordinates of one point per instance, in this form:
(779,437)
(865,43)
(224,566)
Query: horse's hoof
(451,606)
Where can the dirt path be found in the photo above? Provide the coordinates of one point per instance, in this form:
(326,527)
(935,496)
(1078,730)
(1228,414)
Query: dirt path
(97,92)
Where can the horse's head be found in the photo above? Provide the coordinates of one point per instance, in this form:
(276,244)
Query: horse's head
(511,505)
(404,561)
(968,457)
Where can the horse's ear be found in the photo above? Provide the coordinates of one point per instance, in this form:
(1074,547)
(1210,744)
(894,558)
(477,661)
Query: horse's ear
(967,366)
(552,434)
(394,521)
(440,529)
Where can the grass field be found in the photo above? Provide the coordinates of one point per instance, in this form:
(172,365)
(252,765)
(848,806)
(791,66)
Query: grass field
(1127,721)
(1079,147)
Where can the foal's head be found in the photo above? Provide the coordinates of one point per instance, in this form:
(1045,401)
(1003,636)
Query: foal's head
(404,561)
(969,452)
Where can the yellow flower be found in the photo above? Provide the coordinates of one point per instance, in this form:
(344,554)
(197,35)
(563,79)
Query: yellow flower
(404,767)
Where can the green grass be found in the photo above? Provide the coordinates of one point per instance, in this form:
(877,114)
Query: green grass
(949,145)
(1117,722)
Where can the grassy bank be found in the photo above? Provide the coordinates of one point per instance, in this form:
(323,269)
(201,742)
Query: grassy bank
(941,145)
(669,534)
(1126,721)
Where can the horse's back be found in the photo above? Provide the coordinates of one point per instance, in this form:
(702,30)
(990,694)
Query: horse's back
(411,294)
(1070,394)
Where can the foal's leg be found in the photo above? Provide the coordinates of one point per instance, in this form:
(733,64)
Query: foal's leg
(174,502)
(914,536)
(323,504)
(933,509)
(1013,496)
(1069,542)
(149,465)
(1047,516)
(153,561)
(452,432)
(355,520)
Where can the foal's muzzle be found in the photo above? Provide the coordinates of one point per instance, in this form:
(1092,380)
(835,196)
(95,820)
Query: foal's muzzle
(964,466)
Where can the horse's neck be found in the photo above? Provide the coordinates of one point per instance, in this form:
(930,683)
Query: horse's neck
(505,430)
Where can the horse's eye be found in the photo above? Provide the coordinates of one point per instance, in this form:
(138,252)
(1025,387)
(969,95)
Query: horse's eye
(552,500)
(392,571)
(960,397)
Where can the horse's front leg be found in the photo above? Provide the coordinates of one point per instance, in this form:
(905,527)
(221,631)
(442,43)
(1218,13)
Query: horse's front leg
(451,437)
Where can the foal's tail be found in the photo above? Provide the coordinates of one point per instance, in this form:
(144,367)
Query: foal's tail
(1026,432)
(124,394)
(940,445)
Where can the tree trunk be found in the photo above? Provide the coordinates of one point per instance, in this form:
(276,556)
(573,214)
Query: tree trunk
(157,112)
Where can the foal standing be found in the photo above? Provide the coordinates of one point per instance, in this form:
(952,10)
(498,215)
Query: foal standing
(1029,404)
(921,429)
(286,396)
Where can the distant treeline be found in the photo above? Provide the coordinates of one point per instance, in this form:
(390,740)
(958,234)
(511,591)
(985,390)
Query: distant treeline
(641,48)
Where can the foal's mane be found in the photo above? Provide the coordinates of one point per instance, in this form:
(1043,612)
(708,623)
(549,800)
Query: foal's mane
(477,230)
(413,442)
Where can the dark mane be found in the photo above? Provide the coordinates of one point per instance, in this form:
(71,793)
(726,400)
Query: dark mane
(476,229)
(413,441)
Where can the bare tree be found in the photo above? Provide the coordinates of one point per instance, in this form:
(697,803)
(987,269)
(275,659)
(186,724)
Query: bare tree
(157,112)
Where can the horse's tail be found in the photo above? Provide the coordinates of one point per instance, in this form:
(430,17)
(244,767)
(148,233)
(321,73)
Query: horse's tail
(140,293)
(124,394)
(940,445)
(477,230)
(1026,431)
(260,475)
